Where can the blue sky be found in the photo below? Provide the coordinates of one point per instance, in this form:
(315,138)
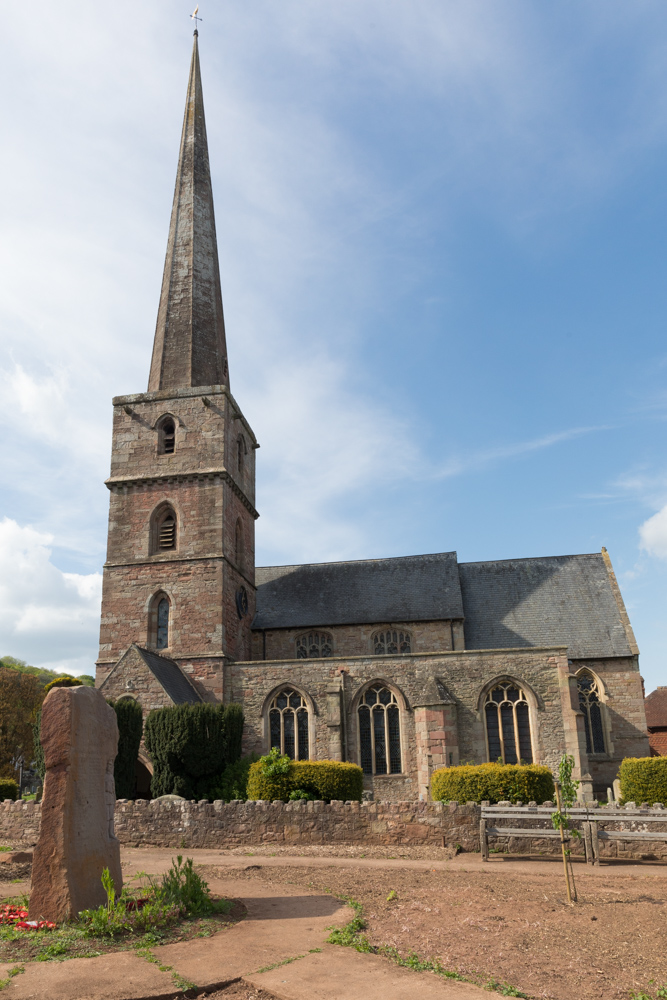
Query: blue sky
(441,230)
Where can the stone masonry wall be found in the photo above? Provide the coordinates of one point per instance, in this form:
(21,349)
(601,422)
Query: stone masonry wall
(181,824)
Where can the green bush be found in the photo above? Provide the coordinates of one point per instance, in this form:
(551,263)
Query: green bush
(190,746)
(644,779)
(9,789)
(130,728)
(493,783)
(276,777)
(233,782)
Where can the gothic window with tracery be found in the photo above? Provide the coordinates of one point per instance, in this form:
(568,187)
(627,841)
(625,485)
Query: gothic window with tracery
(288,724)
(507,721)
(590,705)
(311,645)
(392,641)
(379,731)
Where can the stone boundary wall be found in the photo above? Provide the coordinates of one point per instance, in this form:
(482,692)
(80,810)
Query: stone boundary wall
(174,823)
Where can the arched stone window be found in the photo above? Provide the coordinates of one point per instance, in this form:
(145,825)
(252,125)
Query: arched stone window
(163,529)
(311,645)
(379,731)
(288,724)
(159,622)
(392,641)
(166,435)
(238,545)
(507,721)
(241,452)
(590,704)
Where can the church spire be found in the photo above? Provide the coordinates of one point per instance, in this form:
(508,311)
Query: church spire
(189,347)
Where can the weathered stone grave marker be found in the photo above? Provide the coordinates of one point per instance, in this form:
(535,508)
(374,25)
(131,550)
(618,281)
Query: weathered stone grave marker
(76,838)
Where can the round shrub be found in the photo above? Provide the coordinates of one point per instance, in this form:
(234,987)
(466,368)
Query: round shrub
(9,789)
(493,783)
(644,779)
(276,777)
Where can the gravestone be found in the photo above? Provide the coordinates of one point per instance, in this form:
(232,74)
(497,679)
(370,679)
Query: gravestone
(76,837)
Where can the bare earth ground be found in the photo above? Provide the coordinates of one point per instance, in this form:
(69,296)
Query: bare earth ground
(514,927)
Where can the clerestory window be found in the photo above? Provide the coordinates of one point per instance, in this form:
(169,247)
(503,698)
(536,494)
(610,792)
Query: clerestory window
(314,644)
(288,724)
(392,641)
(507,721)
(379,731)
(590,705)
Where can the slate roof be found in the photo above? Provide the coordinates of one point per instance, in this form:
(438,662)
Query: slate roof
(368,591)
(656,708)
(171,677)
(553,601)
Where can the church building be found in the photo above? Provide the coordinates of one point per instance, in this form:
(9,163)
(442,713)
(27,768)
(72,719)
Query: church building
(401,665)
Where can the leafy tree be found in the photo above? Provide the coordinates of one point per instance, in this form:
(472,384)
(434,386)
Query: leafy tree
(21,696)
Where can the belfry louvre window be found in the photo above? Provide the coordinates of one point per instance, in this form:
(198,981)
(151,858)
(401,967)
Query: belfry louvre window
(392,641)
(167,436)
(379,731)
(589,703)
(167,532)
(508,725)
(288,724)
(313,644)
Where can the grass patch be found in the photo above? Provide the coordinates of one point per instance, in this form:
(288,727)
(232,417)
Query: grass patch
(351,936)
(16,971)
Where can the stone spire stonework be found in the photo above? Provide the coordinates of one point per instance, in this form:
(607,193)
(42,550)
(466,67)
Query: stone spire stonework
(189,348)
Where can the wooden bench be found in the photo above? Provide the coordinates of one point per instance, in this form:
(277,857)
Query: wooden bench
(585,818)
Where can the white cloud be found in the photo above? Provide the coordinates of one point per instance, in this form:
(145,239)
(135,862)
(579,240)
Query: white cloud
(653,534)
(46,615)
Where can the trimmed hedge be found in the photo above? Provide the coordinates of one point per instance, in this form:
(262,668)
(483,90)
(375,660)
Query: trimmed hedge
(130,728)
(644,779)
(9,789)
(190,746)
(325,779)
(493,783)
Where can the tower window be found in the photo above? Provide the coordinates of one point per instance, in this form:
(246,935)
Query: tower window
(313,645)
(166,436)
(392,641)
(288,724)
(589,703)
(240,454)
(379,731)
(162,624)
(163,530)
(507,722)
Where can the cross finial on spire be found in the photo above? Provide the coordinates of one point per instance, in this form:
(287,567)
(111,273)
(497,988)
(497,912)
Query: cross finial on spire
(195,18)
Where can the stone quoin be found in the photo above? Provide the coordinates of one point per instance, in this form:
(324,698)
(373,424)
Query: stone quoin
(402,665)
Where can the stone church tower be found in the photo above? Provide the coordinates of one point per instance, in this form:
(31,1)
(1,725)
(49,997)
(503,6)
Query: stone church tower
(179,577)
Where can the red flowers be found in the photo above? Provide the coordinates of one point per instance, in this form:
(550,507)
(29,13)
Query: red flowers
(136,904)
(17,915)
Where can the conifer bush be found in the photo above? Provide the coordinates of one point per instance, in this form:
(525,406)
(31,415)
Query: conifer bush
(276,777)
(190,746)
(644,779)
(130,728)
(493,783)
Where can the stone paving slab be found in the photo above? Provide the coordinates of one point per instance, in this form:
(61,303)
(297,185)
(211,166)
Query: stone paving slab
(117,976)
(345,974)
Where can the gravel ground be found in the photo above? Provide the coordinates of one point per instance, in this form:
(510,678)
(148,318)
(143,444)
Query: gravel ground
(508,927)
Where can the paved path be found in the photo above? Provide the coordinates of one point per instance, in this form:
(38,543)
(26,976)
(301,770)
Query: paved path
(283,923)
